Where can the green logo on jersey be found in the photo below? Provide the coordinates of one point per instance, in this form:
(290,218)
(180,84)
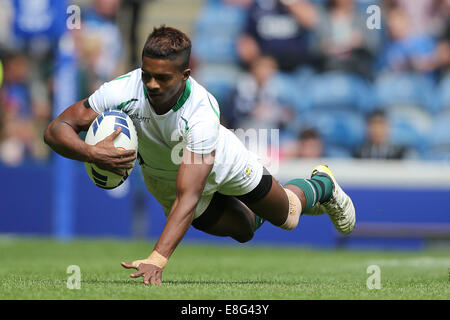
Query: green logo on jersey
(124,104)
(186,127)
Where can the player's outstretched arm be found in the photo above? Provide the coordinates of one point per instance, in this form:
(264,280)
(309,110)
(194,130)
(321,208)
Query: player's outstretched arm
(191,180)
(62,136)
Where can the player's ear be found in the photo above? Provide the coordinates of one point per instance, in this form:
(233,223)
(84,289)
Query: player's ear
(186,74)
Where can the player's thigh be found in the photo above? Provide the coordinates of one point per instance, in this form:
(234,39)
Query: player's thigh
(227,216)
(274,206)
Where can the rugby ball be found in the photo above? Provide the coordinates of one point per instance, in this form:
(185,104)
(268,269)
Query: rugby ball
(104,125)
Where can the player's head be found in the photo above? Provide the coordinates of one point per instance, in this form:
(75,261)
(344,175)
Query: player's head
(165,63)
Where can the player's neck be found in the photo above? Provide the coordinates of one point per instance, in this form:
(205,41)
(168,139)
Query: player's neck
(164,108)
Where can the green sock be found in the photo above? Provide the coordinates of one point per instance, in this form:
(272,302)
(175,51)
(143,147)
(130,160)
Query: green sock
(316,189)
(324,186)
(308,190)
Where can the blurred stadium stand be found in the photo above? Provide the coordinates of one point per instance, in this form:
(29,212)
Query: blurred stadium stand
(341,91)
(211,44)
(410,127)
(442,95)
(339,128)
(334,102)
(404,89)
(439,145)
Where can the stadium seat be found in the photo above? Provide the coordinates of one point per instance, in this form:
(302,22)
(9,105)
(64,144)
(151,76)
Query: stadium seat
(214,49)
(340,91)
(442,101)
(210,42)
(439,140)
(291,92)
(410,126)
(304,75)
(404,89)
(336,152)
(219,79)
(363,4)
(344,129)
(219,15)
(360,4)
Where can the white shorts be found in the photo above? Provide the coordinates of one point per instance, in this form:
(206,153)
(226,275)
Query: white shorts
(241,182)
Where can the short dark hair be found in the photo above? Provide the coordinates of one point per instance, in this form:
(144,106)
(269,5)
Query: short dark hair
(377,113)
(309,133)
(168,43)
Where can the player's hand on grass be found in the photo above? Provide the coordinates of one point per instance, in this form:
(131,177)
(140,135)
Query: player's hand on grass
(151,273)
(107,157)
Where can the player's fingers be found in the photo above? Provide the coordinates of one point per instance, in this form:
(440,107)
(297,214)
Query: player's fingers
(126,153)
(147,277)
(123,166)
(115,134)
(137,274)
(126,159)
(156,280)
(127,265)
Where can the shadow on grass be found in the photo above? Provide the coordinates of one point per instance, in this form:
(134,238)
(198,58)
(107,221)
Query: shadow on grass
(216,282)
(138,281)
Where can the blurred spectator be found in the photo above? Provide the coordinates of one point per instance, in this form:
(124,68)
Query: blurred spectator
(278,28)
(240,3)
(6,16)
(100,45)
(135,11)
(24,112)
(377,145)
(442,59)
(254,104)
(29,36)
(1,72)
(342,40)
(37,25)
(406,50)
(426,16)
(308,145)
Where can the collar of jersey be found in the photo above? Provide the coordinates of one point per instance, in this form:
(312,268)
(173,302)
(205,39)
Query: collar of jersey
(181,100)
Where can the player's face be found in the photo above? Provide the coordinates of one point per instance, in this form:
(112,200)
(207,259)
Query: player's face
(163,80)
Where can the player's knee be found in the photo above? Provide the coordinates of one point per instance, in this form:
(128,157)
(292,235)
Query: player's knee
(244,237)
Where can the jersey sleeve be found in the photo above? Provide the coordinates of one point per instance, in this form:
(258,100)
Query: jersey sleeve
(203,129)
(105,97)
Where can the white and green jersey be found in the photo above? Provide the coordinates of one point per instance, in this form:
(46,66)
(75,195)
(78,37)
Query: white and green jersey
(192,123)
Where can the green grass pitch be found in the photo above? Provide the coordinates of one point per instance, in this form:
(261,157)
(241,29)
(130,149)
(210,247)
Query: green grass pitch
(37,269)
